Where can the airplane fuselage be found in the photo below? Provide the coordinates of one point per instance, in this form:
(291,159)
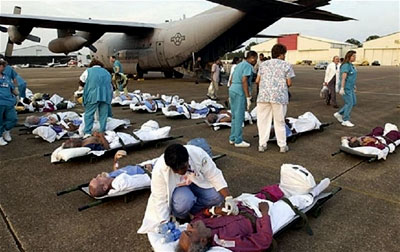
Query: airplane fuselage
(168,45)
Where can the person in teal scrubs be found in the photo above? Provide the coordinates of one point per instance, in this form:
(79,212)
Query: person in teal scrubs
(240,97)
(8,115)
(117,67)
(97,95)
(348,76)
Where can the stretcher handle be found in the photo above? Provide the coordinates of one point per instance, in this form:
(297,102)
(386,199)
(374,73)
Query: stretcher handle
(216,157)
(94,203)
(72,189)
(335,153)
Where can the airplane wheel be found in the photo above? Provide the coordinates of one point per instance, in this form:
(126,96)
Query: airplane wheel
(168,74)
(178,75)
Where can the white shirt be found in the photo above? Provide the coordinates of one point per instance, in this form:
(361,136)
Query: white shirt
(204,173)
(84,75)
(331,70)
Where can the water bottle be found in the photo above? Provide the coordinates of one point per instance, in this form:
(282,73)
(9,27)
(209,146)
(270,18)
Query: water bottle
(171,236)
(163,228)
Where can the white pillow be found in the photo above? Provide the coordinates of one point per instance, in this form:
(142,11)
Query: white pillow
(67,154)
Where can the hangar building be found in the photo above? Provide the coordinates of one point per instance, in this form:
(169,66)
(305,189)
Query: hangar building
(385,49)
(301,47)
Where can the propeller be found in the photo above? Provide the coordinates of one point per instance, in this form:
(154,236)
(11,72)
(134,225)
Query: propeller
(10,44)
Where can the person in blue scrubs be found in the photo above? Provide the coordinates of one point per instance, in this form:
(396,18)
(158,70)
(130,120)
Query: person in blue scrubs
(97,95)
(348,76)
(8,115)
(240,97)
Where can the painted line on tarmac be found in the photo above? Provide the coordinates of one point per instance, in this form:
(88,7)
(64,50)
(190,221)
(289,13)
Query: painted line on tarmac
(361,92)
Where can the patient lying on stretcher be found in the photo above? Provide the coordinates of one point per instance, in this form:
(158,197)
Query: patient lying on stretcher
(68,123)
(378,138)
(253,227)
(122,179)
(95,142)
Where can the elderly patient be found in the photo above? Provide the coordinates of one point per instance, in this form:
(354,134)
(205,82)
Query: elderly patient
(220,117)
(247,231)
(377,138)
(54,120)
(96,142)
(179,109)
(123,179)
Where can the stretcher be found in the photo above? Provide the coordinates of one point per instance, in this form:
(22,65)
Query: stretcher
(84,153)
(193,110)
(298,221)
(121,100)
(249,118)
(305,123)
(370,153)
(155,104)
(126,195)
(51,133)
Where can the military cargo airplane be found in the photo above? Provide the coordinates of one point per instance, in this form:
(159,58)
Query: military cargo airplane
(144,47)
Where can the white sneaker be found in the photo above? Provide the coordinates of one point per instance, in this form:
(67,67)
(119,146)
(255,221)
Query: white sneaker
(2,142)
(262,148)
(347,124)
(231,142)
(7,136)
(338,116)
(243,144)
(284,149)
(86,136)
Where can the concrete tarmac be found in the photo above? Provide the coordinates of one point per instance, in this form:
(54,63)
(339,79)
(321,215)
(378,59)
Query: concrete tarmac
(364,216)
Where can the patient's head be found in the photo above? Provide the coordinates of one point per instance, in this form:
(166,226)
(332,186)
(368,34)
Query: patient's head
(100,185)
(354,142)
(72,143)
(195,238)
(212,118)
(172,108)
(32,120)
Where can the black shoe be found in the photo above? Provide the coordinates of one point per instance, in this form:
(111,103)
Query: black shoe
(196,82)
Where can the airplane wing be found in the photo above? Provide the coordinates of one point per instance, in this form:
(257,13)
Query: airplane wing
(305,9)
(90,25)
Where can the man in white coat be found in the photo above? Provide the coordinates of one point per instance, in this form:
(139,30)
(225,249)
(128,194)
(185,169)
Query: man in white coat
(332,80)
(185,180)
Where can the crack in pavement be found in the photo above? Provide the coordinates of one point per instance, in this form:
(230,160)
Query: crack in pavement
(11,230)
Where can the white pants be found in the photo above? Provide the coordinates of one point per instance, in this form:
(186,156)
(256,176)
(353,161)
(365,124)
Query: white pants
(265,113)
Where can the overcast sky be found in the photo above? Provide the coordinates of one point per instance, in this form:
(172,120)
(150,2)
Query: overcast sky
(377,17)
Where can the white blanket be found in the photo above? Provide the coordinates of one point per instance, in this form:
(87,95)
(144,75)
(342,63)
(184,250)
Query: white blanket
(306,122)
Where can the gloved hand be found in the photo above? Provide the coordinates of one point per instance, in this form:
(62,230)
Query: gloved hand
(341,92)
(231,207)
(248,99)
